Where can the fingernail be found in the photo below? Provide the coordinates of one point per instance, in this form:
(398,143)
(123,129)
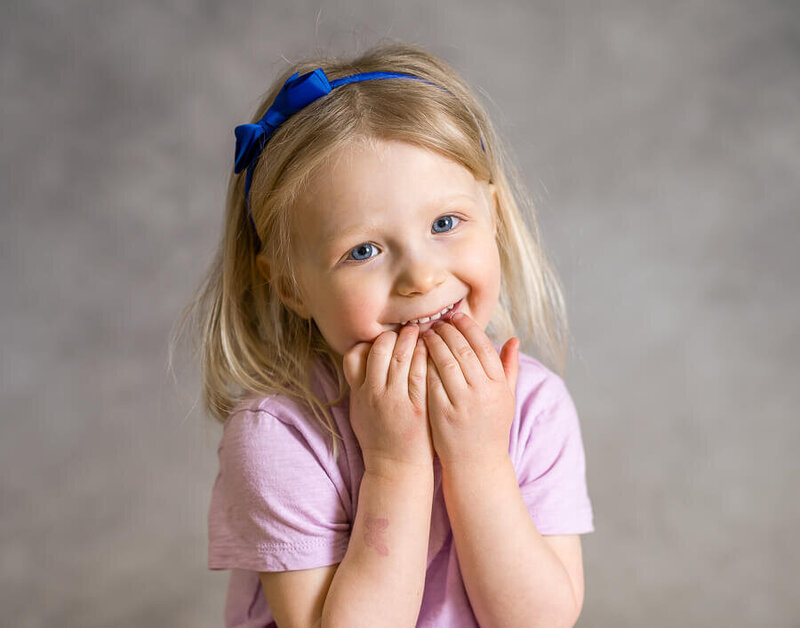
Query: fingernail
(457,316)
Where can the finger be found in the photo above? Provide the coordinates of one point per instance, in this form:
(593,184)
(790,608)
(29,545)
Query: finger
(437,393)
(354,364)
(447,366)
(480,343)
(462,351)
(509,355)
(417,375)
(400,363)
(378,360)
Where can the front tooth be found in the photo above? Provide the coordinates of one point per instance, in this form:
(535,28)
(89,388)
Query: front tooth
(435,317)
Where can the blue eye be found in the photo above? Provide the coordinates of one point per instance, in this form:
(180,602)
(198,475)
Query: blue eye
(362,249)
(446,222)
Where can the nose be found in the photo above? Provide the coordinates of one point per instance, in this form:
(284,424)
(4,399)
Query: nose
(419,276)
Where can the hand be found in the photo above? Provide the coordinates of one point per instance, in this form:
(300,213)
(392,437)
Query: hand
(388,412)
(471,392)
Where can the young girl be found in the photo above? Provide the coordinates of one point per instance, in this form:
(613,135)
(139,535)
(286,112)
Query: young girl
(384,460)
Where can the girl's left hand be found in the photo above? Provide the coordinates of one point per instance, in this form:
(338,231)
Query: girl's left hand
(471,393)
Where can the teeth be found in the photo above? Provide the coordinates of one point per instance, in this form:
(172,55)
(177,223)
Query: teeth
(435,317)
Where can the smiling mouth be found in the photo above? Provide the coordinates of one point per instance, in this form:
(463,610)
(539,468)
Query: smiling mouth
(429,320)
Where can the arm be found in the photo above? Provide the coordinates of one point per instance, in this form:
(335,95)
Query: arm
(381,578)
(512,576)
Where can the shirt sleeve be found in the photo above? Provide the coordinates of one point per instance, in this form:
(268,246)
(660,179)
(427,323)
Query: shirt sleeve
(552,474)
(276,502)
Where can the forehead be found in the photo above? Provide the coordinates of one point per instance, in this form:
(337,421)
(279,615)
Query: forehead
(364,185)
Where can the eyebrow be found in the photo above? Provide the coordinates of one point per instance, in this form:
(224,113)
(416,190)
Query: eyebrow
(339,235)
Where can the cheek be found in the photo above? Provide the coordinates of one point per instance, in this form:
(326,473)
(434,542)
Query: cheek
(342,321)
(481,260)
(496,267)
(482,269)
(352,302)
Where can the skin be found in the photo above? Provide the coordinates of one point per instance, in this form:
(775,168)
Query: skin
(375,537)
(405,264)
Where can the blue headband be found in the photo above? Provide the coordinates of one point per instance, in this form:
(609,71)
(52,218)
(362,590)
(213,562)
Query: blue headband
(296,93)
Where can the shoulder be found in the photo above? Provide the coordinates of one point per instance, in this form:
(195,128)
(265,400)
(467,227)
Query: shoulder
(545,411)
(256,418)
(275,430)
(539,388)
(260,417)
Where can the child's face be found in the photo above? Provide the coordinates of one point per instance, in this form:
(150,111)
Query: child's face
(393,234)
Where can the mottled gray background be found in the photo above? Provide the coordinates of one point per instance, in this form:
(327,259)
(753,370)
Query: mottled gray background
(661,142)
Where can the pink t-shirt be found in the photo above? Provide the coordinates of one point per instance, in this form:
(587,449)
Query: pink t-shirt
(281,502)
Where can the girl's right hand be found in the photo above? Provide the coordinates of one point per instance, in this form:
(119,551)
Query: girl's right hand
(388,408)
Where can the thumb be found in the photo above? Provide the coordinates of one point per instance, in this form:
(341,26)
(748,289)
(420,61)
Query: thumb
(509,356)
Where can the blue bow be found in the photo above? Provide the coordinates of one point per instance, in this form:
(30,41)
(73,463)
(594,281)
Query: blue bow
(296,93)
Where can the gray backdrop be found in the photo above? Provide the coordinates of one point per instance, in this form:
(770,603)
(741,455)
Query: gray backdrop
(661,142)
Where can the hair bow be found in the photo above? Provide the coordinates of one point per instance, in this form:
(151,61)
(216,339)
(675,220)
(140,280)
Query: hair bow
(296,93)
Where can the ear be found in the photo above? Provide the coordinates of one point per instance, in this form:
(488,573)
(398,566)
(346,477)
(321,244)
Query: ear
(290,298)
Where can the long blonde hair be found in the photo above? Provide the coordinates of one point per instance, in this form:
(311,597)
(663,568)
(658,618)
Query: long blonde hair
(249,343)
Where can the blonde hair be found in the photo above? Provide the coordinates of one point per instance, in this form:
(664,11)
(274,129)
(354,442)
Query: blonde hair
(249,343)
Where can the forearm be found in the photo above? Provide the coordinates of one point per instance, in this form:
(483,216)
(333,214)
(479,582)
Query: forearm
(511,575)
(381,578)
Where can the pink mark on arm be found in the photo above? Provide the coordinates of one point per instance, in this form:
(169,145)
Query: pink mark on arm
(375,534)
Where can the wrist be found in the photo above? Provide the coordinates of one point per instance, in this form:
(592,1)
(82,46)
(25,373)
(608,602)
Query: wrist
(478,464)
(393,471)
